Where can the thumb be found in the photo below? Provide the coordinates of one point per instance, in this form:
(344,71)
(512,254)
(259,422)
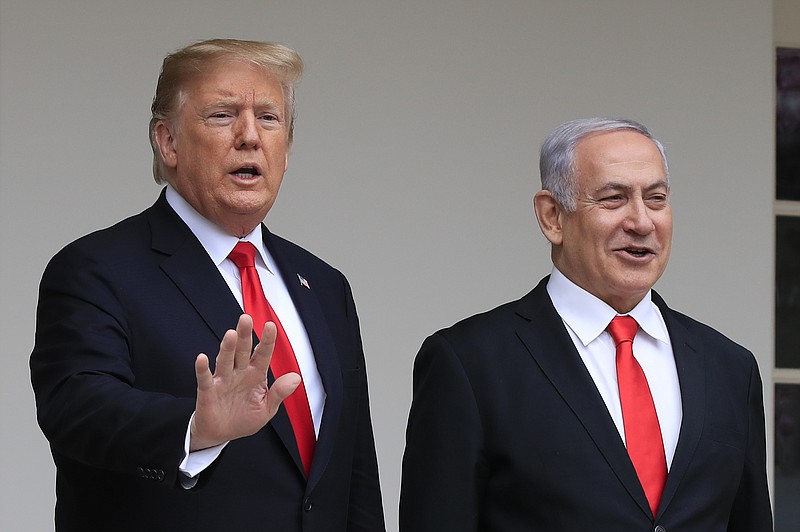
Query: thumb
(282,388)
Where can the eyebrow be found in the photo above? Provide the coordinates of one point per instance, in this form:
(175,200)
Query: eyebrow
(230,100)
(613,185)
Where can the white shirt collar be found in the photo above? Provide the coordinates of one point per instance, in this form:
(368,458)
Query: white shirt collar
(589,316)
(217,243)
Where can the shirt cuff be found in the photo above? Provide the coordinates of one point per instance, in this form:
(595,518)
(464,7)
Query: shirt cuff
(195,462)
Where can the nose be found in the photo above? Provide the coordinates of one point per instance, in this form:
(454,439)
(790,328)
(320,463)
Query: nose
(638,219)
(247,132)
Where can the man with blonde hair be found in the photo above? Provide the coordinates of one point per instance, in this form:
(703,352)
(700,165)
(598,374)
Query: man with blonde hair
(147,431)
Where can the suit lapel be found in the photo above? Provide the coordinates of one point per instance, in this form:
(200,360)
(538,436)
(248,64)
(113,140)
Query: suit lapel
(188,265)
(553,350)
(690,364)
(191,269)
(300,284)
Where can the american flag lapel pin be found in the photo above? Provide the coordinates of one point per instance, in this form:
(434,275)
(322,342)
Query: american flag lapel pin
(303,281)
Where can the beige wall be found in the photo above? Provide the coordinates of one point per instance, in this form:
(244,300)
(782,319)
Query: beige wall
(414,161)
(786,14)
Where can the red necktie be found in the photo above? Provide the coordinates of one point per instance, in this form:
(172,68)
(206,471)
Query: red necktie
(642,432)
(283,359)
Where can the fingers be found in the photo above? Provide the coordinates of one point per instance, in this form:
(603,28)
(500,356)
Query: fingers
(235,349)
(263,352)
(202,372)
(244,341)
(227,353)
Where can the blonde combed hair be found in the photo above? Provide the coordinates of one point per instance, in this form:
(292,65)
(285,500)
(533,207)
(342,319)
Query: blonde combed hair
(184,66)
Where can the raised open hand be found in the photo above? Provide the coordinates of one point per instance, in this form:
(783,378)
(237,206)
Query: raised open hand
(235,400)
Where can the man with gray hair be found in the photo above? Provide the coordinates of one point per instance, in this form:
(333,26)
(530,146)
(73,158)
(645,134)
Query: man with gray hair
(147,432)
(589,404)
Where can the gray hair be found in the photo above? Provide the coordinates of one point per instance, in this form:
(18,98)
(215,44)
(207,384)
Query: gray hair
(557,158)
(184,66)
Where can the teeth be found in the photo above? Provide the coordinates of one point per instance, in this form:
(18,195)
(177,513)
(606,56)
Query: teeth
(246,172)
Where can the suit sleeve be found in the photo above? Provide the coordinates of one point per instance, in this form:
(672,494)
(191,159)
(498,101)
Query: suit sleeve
(751,510)
(443,469)
(366,506)
(82,376)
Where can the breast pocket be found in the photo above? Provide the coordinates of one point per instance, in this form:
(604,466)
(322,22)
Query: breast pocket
(727,435)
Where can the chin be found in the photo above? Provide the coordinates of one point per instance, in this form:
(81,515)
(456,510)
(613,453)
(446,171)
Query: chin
(636,291)
(249,203)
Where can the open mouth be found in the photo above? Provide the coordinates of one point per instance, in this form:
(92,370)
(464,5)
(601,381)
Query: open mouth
(247,172)
(637,252)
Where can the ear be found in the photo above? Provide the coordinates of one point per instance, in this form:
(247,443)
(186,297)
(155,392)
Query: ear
(165,139)
(548,214)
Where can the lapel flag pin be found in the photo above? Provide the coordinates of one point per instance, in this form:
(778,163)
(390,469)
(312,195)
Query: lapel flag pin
(303,281)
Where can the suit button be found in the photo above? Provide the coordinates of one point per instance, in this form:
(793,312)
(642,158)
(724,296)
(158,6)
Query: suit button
(308,504)
(660,528)
(160,475)
(140,472)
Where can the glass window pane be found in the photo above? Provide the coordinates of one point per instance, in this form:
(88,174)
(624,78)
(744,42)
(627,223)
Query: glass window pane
(787,457)
(787,132)
(787,292)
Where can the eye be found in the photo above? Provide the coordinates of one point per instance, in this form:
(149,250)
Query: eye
(613,200)
(657,201)
(219,117)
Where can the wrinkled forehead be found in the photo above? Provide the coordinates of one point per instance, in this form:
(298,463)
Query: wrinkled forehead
(623,151)
(220,82)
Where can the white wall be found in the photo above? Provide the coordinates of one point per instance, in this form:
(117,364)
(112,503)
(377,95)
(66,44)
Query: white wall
(414,161)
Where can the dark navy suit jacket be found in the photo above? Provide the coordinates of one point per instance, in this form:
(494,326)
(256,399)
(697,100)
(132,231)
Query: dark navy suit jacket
(508,432)
(122,314)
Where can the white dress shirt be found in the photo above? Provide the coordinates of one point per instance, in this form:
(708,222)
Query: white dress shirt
(218,244)
(586,318)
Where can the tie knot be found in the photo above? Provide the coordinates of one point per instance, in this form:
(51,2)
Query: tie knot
(623,328)
(243,255)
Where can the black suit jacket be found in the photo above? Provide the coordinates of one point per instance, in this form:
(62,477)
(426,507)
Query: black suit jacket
(507,432)
(122,315)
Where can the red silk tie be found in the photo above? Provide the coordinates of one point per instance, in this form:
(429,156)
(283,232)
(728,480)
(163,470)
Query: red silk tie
(642,431)
(283,359)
